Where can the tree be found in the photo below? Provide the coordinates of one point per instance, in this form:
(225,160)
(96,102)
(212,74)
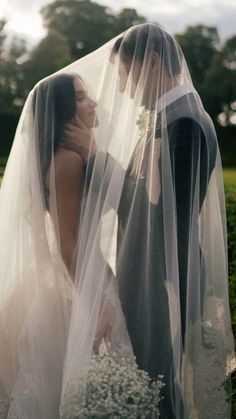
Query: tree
(127,18)
(2,36)
(220,83)
(11,92)
(11,75)
(218,92)
(86,25)
(229,53)
(213,69)
(199,44)
(50,55)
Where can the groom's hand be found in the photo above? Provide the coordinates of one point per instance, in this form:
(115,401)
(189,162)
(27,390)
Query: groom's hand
(79,138)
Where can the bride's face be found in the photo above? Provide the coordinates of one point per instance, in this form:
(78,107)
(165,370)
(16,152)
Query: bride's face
(85,107)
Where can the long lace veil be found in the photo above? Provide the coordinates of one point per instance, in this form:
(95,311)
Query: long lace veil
(151,242)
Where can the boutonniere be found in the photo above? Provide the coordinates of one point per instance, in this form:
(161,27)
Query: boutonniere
(145,122)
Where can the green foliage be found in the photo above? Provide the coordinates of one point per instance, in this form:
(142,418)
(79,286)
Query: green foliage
(212,68)
(222,98)
(127,18)
(11,76)
(12,94)
(229,52)
(199,44)
(85,24)
(50,55)
(2,36)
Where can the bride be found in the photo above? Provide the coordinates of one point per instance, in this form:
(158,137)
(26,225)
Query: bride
(59,104)
(122,242)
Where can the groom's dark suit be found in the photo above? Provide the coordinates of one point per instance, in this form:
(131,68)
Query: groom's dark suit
(141,262)
(141,267)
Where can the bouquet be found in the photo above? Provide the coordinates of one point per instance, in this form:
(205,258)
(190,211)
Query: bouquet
(115,388)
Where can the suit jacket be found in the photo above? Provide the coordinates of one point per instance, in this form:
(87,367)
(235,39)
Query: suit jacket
(141,266)
(141,261)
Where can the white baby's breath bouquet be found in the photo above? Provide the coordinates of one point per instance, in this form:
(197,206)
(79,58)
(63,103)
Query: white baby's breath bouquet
(115,388)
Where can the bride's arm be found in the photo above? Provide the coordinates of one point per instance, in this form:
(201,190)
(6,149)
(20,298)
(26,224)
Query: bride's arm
(68,184)
(98,163)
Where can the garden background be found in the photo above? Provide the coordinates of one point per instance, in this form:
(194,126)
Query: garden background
(76,27)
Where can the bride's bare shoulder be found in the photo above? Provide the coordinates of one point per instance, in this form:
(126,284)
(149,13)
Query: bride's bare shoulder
(65,159)
(68,168)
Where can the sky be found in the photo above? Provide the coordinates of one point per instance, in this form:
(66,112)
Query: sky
(24,19)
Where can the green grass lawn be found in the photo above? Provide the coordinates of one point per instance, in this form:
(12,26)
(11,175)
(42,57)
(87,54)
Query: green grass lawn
(230,178)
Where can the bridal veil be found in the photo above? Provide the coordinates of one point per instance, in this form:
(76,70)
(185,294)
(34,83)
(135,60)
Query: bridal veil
(151,242)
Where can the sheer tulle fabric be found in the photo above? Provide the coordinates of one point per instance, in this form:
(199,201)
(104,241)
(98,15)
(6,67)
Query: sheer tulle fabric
(151,244)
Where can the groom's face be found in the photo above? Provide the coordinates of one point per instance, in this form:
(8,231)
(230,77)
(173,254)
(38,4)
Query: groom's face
(129,69)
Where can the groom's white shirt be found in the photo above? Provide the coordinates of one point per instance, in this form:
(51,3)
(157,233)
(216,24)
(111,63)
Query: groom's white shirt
(171,96)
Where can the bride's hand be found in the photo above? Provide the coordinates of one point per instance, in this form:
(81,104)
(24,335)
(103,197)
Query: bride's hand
(104,327)
(79,138)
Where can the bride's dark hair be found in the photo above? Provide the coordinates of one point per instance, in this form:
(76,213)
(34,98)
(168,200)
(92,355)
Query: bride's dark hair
(54,104)
(149,37)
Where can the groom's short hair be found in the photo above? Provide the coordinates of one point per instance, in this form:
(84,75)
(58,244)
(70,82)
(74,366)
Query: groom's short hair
(149,37)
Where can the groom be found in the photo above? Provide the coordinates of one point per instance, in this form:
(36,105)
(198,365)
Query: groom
(141,272)
(141,253)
